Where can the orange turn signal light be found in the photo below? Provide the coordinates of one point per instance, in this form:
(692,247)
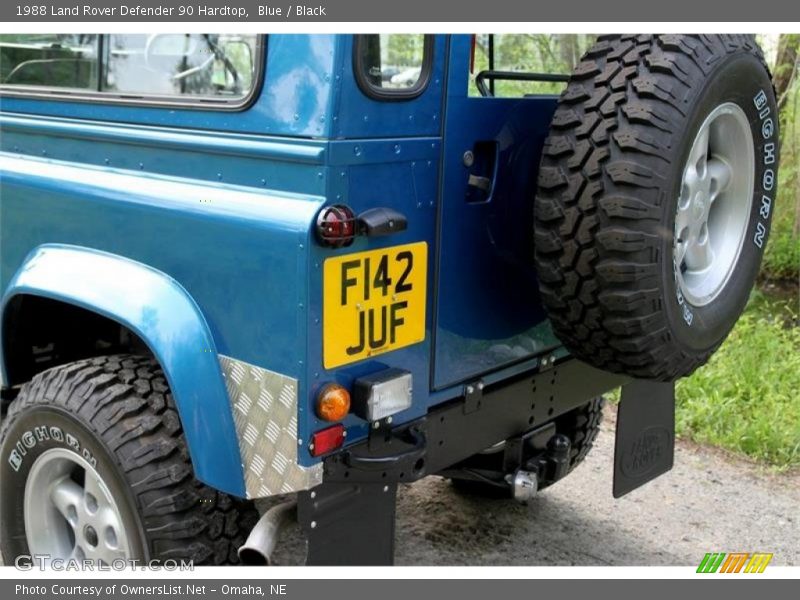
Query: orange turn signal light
(333,402)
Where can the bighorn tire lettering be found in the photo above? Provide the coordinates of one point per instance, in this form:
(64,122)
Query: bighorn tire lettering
(654,199)
(111,417)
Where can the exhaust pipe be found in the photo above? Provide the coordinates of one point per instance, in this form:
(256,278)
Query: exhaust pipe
(260,544)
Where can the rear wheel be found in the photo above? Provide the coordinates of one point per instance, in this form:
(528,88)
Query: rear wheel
(655,194)
(93,465)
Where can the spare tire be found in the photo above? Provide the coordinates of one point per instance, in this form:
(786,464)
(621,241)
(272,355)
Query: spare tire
(654,198)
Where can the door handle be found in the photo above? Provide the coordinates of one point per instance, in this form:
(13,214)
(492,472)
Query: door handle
(482,164)
(482,183)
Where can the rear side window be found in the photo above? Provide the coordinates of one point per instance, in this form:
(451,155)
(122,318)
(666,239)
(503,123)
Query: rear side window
(162,67)
(59,61)
(393,66)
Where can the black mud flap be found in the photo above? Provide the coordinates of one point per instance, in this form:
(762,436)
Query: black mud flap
(645,444)
(349,524)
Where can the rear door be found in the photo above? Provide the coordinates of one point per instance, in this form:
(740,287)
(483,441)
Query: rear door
(488,313)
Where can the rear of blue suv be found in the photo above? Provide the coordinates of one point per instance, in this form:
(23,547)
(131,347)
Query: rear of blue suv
(236,267)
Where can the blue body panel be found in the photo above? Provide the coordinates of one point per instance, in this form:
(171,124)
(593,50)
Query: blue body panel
(217,209)
(160,311)
(239,252)
(488,309)
(358,116)
(407,181)
(296,97)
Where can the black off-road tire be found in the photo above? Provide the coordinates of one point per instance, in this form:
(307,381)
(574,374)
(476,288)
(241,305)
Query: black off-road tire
(580,425)
(609,184)
(120,410)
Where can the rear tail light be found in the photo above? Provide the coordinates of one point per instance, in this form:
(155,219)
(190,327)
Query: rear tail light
(327,440)
(336,226)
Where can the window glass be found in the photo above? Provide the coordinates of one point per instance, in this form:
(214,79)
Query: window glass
(552,54)
(203,65)
(54,60)
(179,64)
(392,63)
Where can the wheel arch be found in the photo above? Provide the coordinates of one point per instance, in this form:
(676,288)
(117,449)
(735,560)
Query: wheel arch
(158,311)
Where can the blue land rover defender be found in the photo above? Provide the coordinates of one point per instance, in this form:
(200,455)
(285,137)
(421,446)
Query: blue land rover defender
(318,266)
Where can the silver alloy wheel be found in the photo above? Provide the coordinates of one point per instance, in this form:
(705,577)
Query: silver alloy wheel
(714,205)
(70,512)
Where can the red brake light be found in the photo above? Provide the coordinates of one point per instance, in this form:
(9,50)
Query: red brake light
(327,440)
(336,226)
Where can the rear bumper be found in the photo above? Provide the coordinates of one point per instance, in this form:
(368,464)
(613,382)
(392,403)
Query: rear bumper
(454,431)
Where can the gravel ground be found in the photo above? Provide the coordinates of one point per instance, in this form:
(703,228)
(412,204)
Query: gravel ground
(710,501)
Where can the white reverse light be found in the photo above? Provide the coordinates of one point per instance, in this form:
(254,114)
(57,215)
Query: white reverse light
(382,394)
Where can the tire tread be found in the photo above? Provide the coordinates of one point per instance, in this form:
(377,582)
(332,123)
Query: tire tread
(600,201)
(125,401)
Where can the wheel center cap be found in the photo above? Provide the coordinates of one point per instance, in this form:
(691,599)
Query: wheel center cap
(700,202)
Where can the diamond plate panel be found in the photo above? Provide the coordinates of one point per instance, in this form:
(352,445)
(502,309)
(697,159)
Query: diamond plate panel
(264,405)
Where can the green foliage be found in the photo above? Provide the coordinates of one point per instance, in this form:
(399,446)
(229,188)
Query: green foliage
(402,50)
(238,50)
(782,255)
(530,53)
(746,398)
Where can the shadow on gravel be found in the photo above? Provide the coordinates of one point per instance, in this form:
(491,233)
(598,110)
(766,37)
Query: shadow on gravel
(458,529)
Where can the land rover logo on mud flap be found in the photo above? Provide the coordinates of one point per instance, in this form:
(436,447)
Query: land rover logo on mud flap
(645,453)
(28,440)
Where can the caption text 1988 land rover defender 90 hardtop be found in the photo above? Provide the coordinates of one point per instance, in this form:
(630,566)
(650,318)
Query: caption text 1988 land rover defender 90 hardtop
(318,266)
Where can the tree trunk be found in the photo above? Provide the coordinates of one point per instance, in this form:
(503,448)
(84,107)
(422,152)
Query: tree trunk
(785,66)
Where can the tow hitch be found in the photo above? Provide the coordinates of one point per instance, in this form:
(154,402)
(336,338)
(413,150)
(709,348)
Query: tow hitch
(547,468)
(524,485)
(350,518)
(530,462)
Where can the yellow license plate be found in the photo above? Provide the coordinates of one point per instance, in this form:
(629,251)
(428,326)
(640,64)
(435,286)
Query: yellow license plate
(373,302)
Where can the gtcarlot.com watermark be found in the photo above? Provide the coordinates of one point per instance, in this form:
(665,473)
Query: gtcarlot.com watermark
(45,562)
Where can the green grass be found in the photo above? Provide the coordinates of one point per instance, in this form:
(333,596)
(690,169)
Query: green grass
(782,255)
(747,398)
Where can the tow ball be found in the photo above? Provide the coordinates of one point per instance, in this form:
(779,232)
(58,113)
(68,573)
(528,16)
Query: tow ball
(524,485)
(549,468)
